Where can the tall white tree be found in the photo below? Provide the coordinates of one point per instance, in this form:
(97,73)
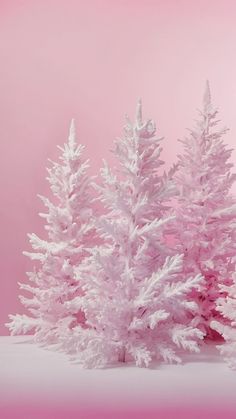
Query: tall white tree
(133,293)
(206,212)
(70,230)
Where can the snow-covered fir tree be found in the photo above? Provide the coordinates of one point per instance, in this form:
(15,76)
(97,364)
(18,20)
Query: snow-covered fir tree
(205,223)
(134,299)
(70,230)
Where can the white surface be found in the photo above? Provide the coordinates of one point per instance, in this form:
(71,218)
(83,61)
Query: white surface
(29,372)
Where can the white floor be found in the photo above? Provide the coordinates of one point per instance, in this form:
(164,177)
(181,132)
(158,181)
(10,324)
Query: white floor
(29,372)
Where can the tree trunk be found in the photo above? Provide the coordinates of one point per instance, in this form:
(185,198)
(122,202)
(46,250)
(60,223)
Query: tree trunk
(122,354)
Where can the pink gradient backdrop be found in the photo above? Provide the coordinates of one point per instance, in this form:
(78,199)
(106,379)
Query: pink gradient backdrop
(91,60)
(39,412)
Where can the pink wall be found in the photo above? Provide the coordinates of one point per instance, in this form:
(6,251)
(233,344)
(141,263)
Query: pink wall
(91,60)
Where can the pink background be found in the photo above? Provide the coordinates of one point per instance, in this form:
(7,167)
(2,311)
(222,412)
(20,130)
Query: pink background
(91,60)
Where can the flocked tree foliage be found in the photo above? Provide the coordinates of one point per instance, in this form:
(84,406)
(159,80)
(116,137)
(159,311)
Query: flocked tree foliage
(205,224)
(134,298)
(227,307)
(70,230)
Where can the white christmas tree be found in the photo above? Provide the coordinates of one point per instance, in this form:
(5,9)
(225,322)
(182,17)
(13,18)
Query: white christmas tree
(133,292)
(205,224)
(70,229)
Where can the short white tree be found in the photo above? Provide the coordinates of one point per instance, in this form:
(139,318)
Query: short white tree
(70,228)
